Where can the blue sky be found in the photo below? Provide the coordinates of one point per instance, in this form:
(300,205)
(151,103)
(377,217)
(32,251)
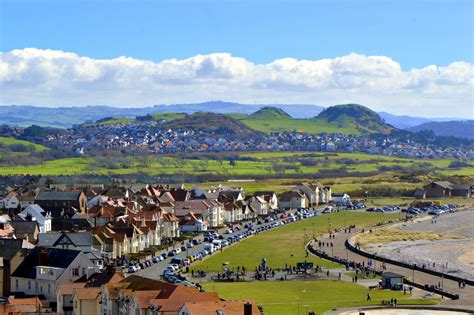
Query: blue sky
(402,56)
(415,33)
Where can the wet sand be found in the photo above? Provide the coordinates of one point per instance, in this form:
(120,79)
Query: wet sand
(453,256)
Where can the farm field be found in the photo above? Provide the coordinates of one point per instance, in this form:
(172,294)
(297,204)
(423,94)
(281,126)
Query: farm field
(248,165)
(285,245)
(297,297)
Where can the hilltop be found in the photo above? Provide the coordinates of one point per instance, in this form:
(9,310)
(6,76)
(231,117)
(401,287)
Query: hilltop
(220,124)
(460,129)
(355,116)
(269,113)
(346,119)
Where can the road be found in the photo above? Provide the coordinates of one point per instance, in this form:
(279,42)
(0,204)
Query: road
(156,270)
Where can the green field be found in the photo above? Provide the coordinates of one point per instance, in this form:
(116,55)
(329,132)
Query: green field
(312,126)
(285,245)
(317,295)
(257,164)
(10,141)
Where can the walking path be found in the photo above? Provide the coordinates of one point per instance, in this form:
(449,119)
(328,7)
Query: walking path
(466,295)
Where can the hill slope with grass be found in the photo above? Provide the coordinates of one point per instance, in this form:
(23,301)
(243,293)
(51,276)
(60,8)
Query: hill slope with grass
(20,145)
(347,119)
(220,124)
(355,116)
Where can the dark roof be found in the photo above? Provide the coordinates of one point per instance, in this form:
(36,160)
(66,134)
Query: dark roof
(179,194)
(50,257)
(59,224)
(59,195)
(263,192)
(24,227)
(388,274)
(55,239)
(460,187)
(9,247)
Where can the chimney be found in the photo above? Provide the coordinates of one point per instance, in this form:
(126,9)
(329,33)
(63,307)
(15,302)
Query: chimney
(248,308)
(43,257)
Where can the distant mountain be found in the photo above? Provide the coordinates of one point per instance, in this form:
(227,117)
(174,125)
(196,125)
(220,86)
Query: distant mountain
(460,129)
(360,117)
(65,117)
(405,122)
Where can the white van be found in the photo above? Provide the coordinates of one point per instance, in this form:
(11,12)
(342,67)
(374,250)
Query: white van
(209,247)
(217,244)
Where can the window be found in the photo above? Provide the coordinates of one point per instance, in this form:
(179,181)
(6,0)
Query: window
(29,285)
(16,284)
(75,272)
(83,271)
(49,288)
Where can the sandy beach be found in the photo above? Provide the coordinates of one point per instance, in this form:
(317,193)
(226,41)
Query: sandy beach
(451,255)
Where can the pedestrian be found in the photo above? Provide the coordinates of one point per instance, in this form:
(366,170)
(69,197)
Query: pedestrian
(327,273)
(339,276)
(395,301)
(369,298)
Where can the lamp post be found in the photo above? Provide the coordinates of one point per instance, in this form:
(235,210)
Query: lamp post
(314,234)
(304,237)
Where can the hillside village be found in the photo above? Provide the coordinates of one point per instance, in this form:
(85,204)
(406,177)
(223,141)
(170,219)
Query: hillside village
(72,246)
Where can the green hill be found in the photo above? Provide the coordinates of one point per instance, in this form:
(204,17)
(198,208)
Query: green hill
(20,145)
(353,115)
(347,119)
(220,124)
(269,113)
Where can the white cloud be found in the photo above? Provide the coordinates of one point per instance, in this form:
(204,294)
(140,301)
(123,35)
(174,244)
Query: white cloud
(53,78)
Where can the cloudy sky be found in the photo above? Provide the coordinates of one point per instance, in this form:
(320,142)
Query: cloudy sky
(403,57)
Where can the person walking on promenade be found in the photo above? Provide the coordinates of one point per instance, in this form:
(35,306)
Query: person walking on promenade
(369,298)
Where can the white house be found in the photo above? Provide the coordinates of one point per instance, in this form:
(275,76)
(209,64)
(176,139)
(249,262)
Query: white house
(210,210)
(341,198)
(45,268)
(11,201)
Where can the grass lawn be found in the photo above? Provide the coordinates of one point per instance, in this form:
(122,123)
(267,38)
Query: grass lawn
(262,164)
(286,244)
(316,295)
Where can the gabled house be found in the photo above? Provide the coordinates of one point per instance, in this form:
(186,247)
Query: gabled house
(11,201)
(270,197)
(45,268)
(315,192)
(293,199)
(442,189)
(192,223)
(259,205)
(86,301)
(210,210)
(232,212)
(64,299)
(27,230)
(62,203)
(35,213)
